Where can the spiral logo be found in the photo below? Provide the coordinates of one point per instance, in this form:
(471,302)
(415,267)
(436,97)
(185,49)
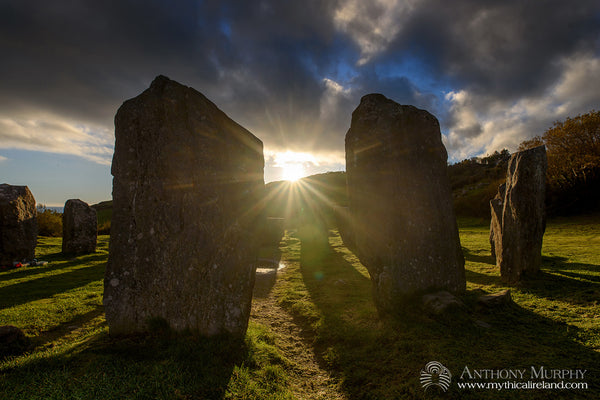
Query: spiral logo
(435,374)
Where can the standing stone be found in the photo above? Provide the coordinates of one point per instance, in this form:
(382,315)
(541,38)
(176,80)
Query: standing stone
(272,231)
(496,205)
(404,227)
(518,247)
(187,184)
(18,224)
(343,221)
(80,228)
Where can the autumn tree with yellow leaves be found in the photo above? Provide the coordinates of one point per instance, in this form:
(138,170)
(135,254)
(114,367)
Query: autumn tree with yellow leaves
(573,149)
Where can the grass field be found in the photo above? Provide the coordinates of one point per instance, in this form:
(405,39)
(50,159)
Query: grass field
(554,322)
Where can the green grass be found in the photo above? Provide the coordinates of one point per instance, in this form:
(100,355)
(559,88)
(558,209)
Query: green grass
(554,322)
(59,307)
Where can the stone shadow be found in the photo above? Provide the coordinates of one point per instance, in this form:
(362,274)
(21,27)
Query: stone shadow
(48,286)
(67,327)
(472,257)
(173,366)
(482,279)
(563,286)
(558,279)
(266,273)
(36,270)
(381,357)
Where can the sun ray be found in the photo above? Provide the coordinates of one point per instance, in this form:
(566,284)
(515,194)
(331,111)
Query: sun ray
(292,172)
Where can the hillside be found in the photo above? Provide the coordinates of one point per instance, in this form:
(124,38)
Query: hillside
(474,182)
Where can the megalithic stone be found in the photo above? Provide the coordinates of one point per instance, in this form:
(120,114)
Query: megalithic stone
(496,206)
(187,187)
(518,248)
(18,224)
(344,222)
(404,227)
(80,228)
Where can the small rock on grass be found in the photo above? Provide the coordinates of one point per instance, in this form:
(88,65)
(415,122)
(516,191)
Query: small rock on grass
(12,341)
(439,302)
(495,299)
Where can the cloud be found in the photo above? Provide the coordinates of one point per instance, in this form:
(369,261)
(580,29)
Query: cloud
(508,47)
(493,72)
(53,134)
(372,25)
(306,163)
(505,124)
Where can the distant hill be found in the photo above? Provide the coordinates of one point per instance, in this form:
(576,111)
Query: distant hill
(475,182)
(315,195)
(104,212)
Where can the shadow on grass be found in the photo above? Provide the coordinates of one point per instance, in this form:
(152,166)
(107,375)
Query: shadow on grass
(382,358)
(48,286)
(32,271)
(160,366)
(558,280)
(67,327)
(472,257)
(482,279)
(560,264)
(562,285)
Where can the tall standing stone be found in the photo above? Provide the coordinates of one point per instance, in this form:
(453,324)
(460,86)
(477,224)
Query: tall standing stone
(518,247)
(80,228)
(496,206)
(187,184)
(404,227)
(18,224)
(343,220)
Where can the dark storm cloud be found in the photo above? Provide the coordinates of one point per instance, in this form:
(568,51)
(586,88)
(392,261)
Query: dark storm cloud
(81,58)
(508,47)
(511,66)
(256,60)
(291,72)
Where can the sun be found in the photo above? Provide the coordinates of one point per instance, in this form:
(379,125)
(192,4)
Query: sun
(292,171)
(292,165)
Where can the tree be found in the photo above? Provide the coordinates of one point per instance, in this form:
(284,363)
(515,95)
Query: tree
(573,149)
(49,221)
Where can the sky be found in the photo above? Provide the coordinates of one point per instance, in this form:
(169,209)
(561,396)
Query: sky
(493,72)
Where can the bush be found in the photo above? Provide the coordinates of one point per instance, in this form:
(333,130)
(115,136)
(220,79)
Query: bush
(104,228)
(49,222)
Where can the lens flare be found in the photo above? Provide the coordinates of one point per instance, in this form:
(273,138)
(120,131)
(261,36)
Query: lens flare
(292,171)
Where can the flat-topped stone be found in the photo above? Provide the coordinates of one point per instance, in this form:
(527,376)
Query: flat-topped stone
(404,228)
(188,182)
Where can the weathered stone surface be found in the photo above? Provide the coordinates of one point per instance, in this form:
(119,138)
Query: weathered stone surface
(404,226)
(343,221)
(518,248)
(80,228)
(18,224)
(496,205)
(187,184)
(272,231)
